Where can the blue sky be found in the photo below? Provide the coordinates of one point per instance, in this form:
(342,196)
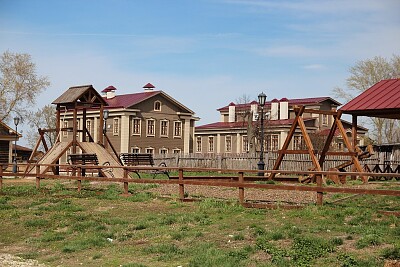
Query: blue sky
(204,53)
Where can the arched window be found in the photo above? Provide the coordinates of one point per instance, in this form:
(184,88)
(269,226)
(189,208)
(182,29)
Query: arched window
(157,105)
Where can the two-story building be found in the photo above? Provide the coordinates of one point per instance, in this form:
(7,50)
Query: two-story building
(150,121)
(236,132)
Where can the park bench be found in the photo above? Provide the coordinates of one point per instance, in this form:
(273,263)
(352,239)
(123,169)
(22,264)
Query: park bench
(88,161)
(142,159)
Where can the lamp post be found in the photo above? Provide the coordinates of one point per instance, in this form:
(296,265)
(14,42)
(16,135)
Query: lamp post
(15,166)
(105,117)
(261,165)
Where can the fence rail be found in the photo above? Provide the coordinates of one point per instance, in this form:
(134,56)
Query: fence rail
(240,180)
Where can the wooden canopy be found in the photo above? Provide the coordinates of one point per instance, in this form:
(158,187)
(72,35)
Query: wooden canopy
(80,96)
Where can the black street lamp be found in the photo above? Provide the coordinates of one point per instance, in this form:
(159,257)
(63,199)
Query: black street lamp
(15,166)
(105,117)
(261,165)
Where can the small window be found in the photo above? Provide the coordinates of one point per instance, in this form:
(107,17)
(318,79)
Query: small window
(211,144)
(150,150)
(274,142)
(324,119)
(88,127)
(116,126)
(150,127)
(136,126)
(163,151)
(65,132)
(177,129)
(164,128)
(245,143)
(198,144)
(135,150)
(228,143)
(157,106)
(176,151)
(297,142)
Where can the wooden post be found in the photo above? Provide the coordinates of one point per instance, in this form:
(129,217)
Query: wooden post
(1,177)
(79,181)
(241,189)
(181,186)
(126,185)
(354,141)
(319,194)
(37,176)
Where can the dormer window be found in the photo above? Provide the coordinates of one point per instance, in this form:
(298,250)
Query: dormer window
(157,106)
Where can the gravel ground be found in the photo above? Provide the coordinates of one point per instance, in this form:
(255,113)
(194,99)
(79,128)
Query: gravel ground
(262,195)
(8,260)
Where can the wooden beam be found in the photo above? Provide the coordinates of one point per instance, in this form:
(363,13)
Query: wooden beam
(299,111)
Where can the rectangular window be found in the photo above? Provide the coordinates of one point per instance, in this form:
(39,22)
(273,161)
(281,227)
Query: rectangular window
(297,142)
(88,127)
(135,150)
(164,128)
(176,151)
(65,132)
(324,119)
(136,126)
(228,143)
(245,144)
(211,144)
(116,126)
(150,150)
(163,151)
(150,128)
(177,128)
(198,144)
(274,142)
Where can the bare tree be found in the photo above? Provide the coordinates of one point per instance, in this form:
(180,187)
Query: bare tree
(363,75)
(19,84)
(246,116)
(44,118)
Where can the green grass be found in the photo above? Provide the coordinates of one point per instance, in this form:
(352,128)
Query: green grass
(98,227)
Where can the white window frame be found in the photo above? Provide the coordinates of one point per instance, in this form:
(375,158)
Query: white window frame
(163,151)
(245,143)
(135,149)
(199,142)
(297,141)
(178,129)
(176,151)
(139,126)
(153,132)
(324,119)
(161,128)
(65,132)
(157,105)
(149,150)
(116,126)
(211,144)
(228,143)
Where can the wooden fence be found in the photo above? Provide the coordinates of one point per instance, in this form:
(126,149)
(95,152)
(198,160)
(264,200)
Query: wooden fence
(298,162)
(234,178)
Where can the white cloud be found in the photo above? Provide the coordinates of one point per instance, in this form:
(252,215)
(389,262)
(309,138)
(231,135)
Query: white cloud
(314,67)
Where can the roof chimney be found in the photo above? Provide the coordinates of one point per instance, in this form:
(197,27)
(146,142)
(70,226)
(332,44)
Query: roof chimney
(232,112)
(149,87)
(274,109)
(109,92)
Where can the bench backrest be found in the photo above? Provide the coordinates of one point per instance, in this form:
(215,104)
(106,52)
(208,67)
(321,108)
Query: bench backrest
(83,159)
(136,159)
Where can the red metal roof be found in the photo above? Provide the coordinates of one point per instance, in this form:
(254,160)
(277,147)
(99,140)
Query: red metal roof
(292,102)
(241,124)
(380,100)
(125,101)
